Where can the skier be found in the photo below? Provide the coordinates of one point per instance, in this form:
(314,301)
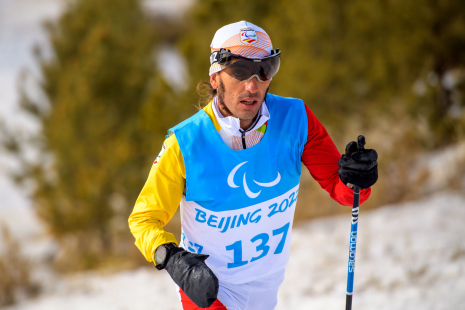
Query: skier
(234,168)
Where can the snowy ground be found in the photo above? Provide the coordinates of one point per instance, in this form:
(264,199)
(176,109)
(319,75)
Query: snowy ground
(409,256)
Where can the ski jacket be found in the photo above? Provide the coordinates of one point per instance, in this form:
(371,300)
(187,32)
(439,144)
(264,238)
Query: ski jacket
(166,183)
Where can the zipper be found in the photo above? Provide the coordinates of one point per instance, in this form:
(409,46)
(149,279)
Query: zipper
(243,139)
(244,131)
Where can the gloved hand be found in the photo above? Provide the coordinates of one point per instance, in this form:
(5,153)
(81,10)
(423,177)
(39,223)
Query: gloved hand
(358,166)
(193,276)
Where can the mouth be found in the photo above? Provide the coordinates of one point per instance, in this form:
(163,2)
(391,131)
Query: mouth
(249,102)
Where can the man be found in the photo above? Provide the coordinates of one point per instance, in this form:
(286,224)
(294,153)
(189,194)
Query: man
(234,167)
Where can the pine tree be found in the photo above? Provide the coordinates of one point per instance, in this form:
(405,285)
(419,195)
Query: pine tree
(349,58)
(357,65)
(108,110)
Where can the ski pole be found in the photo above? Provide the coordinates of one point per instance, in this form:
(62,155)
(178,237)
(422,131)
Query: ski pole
(352,247)
(353,234)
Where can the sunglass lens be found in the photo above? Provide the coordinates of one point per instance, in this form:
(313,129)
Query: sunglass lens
(241,70)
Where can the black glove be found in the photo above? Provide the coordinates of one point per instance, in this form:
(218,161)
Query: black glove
(193,276)
(358,166)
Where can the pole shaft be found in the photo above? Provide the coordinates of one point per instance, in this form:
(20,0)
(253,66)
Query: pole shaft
(352,247)
(348,302)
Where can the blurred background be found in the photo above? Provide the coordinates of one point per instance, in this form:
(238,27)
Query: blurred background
(89,88)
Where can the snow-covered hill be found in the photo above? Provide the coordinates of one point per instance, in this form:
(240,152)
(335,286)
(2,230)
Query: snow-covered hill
(409,256)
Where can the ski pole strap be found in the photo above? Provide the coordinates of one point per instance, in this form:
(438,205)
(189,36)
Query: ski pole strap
(352,247)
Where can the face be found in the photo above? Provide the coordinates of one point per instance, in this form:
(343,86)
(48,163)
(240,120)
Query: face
(241,99)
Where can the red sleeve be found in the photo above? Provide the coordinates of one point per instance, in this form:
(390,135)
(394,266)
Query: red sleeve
(320,156)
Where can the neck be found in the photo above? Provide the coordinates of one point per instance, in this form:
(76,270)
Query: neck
(245,124)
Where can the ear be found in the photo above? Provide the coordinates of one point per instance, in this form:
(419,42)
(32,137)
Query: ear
(214,80)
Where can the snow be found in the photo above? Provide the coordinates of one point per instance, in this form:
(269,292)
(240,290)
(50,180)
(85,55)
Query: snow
(173,67)
(442,166)
(20,30)
(174,9)
(409,256)
(139,289)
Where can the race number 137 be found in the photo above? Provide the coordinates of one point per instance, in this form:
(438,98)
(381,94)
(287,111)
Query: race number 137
(262,248)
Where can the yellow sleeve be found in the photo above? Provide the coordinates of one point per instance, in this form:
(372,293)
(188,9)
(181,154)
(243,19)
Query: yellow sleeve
(159,200)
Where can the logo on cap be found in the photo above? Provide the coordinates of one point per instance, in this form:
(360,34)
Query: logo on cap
(248,36)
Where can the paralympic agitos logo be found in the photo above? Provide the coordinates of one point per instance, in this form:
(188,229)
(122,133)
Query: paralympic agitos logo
(248,192)
(248,36)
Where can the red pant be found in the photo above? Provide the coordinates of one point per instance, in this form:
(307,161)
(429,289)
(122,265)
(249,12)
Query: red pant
(188,304)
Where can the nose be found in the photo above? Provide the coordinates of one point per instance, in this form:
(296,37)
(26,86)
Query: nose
(252,85)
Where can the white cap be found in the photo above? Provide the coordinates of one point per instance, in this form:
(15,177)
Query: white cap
(241,38)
